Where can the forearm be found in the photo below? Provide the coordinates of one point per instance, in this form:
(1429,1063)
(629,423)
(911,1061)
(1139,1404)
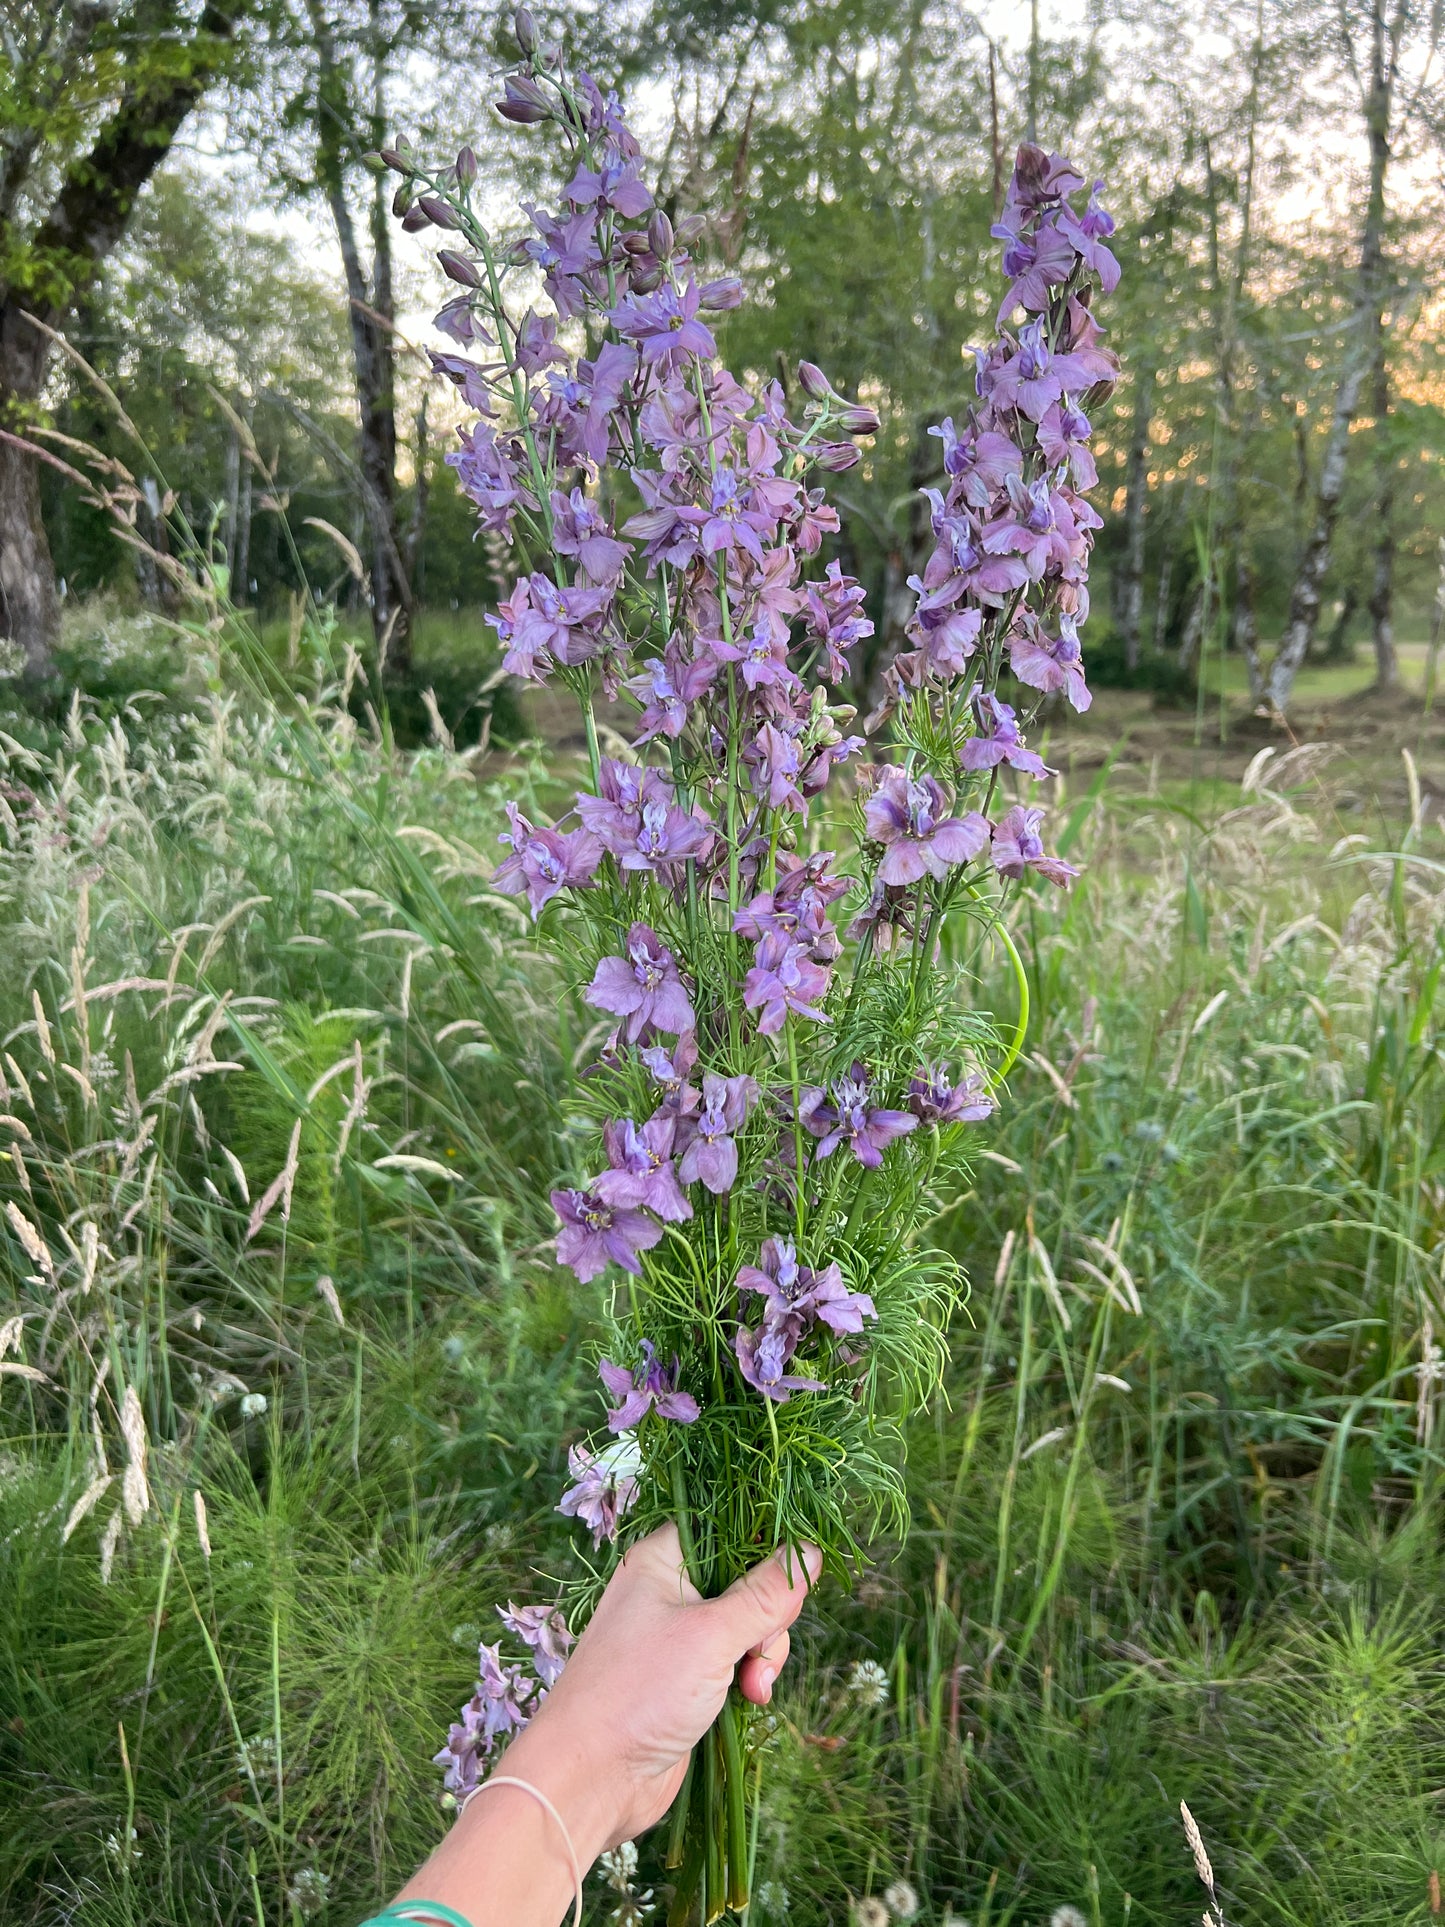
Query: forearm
(505,1863)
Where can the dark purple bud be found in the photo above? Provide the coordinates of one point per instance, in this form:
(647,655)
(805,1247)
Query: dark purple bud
(414,220)
(525,29)
(813,382)
(398,163)
(523,101)
(688,228)
(458,268)
(549,54)
(637,244)
(466,167)
(401,200)
(437,211)
(857,420)
(718,296)
(642,280)
(836,456)
(659,234)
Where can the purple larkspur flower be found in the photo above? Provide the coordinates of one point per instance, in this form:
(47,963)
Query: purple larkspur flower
(637,817)
(487,476)
(648,1387)
(730,521)
(998,740)
(616,184)
(544,861)
(835,618)
(793,1291)
(783,980)
(670,1070)
(580,528)
(907,818)
(605,1488)
(554,625)
(640,1174)
(762,660)
(1087,232)
(867,1129)
(579,408)
(711,1157)
(775,756)
(947,635)
(543,1630)
(1051,662)
(1017,846)
(934,1098)
(1034,263)
(595,1234)
(567,253)
(496,1709)
(1064,438)
(665,325)
(643,987)
(763,1357)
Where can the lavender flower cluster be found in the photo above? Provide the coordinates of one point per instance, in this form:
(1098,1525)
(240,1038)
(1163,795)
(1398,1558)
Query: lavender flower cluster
(670,523)
(505,1697)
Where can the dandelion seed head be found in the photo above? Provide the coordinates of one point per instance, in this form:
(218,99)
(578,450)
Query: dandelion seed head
(868,1911)
(902,1900)
(1067,1916)
(254,1404)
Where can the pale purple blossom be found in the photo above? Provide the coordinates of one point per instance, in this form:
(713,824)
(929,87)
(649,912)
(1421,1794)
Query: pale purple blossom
(595,1234)
(852,1119)
(763,1357)
(908,818)
(644,987)
(794,1291)
(1050,662)
(543,1630)
(711,1157)
(640,1174)
(605,1488)
(998,740)
(649,1387)
(1017,846)
(934,1098)
(784,980)
(543,862)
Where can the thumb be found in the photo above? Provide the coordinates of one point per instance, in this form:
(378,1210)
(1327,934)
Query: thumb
(766,1599)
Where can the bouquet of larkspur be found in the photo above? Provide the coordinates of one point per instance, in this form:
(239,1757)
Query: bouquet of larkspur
(777,921)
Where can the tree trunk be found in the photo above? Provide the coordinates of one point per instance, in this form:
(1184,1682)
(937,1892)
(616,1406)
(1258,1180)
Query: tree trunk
(29,606)
(1136,490)
(1382,586)
(1337,648)
(1302,618)
(1245,626)
(1193,629)
(85,218)
(371,315)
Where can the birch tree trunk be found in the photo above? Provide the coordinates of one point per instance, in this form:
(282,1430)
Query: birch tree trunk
(1303,615)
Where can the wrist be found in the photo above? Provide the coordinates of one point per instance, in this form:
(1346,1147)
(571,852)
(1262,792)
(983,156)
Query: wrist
(554,1761)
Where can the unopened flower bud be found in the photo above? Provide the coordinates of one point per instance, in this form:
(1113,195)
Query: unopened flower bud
(636,244)
(858,420)
(395,160)
(414,220)
(836,456)
(813,382)
(643,277)
(374,163)
(466,167)
(688,228)
(523,101)
(525,29)
(401,200)
(659,234)
(437,211)
(458,268)
(718,296)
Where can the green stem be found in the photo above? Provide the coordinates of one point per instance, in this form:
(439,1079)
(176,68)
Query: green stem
(797,1083)
(735,1793)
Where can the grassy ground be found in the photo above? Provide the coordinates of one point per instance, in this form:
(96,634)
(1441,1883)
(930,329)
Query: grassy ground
(282,1092)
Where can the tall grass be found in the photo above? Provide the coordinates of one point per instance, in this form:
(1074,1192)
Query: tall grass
(283,1088)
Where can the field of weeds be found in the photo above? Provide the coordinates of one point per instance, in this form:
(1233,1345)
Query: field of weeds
(287,1373)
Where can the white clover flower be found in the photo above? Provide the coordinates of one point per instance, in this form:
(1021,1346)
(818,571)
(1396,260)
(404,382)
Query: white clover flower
(773,1899)
(619,1863)
(1067,1916)
(867,1911)
(126,1855)
(309,1891)
(901,1900)
(254,1404)
(257,1755)
(868,1682)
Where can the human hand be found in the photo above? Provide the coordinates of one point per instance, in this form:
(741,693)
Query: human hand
(646,1680)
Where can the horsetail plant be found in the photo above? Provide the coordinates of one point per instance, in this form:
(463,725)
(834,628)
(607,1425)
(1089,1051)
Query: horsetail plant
(756,899)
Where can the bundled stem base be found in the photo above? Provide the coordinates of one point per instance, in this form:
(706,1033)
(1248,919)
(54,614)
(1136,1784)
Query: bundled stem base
(708,1840)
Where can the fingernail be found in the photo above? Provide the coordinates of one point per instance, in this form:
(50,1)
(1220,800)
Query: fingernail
(813,1560)
(766,1678)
